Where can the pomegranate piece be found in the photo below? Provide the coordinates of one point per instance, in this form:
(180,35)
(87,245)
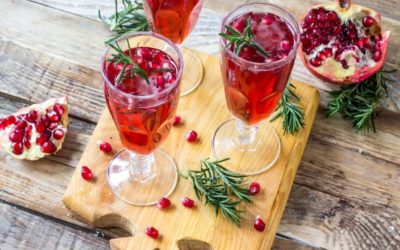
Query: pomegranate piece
(187,202)
(163,203)
(343,44)
(105,147)
(177,120)
(259,224)
(26,134)
(86,173)
(191,136)
(152,232)
(254,188)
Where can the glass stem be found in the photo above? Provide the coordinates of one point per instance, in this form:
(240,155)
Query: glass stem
(141,167)
(247,134)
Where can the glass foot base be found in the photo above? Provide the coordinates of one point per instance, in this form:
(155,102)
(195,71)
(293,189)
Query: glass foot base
(192,72)
(251,155)
(142,188)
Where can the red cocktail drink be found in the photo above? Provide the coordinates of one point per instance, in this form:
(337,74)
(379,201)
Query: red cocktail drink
(254,83)
(174,19)
(142,75)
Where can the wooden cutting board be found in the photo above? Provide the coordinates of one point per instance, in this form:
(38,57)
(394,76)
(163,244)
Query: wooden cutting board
(179,227)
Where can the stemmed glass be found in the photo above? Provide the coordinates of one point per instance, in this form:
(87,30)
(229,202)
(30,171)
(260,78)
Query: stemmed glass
(253,88)
(175,19)
(143,113)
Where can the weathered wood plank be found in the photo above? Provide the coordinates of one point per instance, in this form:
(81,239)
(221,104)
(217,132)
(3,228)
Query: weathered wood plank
(20,229)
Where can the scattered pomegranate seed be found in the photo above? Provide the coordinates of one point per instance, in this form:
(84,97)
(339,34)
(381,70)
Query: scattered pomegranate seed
(254,188)
(177,120)
(163,203)
(191,136)
(48,147)
(86,173)
(187,202)
(368,21)
(259,224)
(59,109)
(53,116)
(58,134)
(105,147)
(152,232)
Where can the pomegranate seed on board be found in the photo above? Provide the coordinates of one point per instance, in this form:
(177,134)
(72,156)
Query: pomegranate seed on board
(177,120)
(163,203)
(191,136)
(259,224)
(86,173)
(105,147)
(254,188)
(152,232)
(187,202)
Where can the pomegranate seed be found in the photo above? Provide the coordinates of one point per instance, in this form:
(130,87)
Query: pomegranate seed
(377,56)
(337,30)
(2,124)
(58,134)
(105,147)
(191,136)
(321,17)
(331,16)
(254,188)
(53,116)
(18,148)
(163,203)
(42,138)
(16,135)
(26,142)
(328,52)
(268,19)
(360,43)
(310,18)
(285,45)
(32,116)
(315,62)
(48,147)
(368,21)
(53,126)
(40,127)
(259,224)
(28,131)
(321,56)
(59,109)
(187,202)
(86,173)
(152,232)
(177,120)
(44,120)
(21,124)
(10,120)
(344,64)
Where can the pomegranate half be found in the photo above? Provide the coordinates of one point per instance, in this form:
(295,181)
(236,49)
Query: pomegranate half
(342,42)
(36,131)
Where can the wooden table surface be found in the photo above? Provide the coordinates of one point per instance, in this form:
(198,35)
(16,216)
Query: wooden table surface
(347,191)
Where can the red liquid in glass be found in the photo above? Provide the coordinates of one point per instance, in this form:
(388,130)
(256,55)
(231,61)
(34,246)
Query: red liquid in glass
(173,19)
(143,124)
(253,94)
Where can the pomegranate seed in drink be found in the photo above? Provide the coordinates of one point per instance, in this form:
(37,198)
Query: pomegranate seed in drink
(191,136)
(254,188)
(177,120)
(105,147)
(187,202)
(259,224)
(86,173)
(152,232)
(163,203)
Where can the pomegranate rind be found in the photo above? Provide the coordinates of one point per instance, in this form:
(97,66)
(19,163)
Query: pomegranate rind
(332,70)
(34,152)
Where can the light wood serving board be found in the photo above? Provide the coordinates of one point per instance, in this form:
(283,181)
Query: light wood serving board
(179,227)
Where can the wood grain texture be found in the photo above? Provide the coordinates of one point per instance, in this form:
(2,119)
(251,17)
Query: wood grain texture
(22,230)
(94,202)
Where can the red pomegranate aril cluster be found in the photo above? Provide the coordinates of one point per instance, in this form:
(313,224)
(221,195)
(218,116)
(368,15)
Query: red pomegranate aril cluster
(163,203)
(152,232)
(187,202)
(86,173)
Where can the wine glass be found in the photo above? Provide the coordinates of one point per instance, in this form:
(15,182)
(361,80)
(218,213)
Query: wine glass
(253,86)
(143,113)
(175,19)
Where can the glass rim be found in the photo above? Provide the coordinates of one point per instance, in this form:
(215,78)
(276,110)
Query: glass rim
(262,65)
(143,33)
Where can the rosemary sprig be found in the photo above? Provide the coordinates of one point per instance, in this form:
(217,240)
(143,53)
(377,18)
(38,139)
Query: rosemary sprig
(218,186)
(241,40)
(358,102)
(291,112)
(122,57)
(130,19)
